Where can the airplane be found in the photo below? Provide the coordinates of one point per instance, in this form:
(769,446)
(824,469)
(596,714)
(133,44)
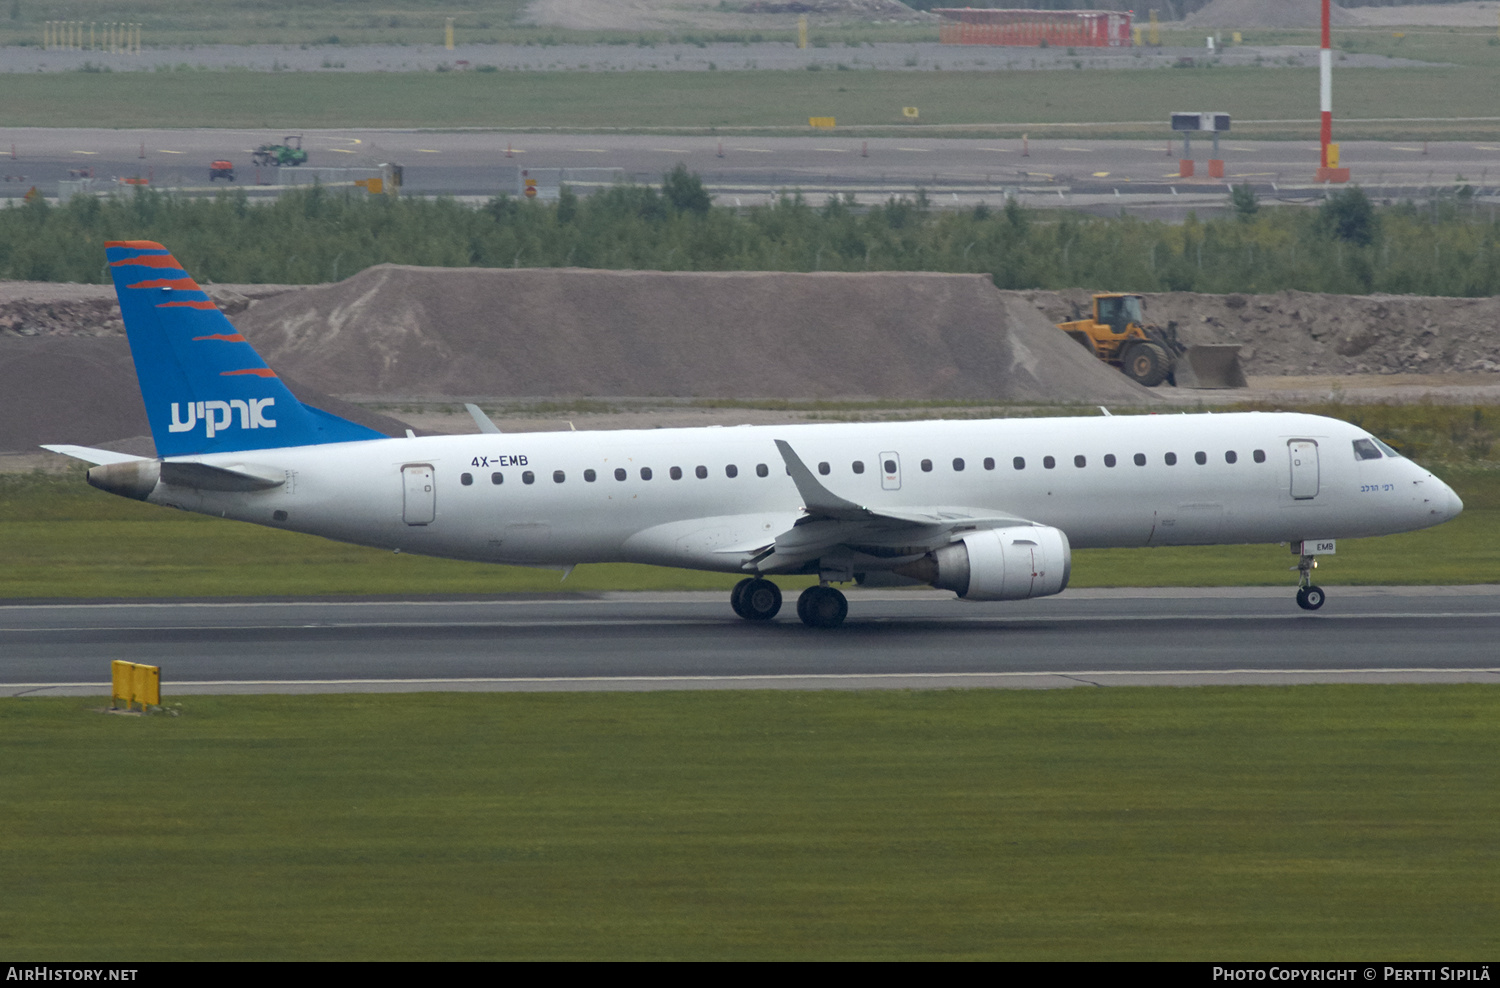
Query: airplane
(990,510)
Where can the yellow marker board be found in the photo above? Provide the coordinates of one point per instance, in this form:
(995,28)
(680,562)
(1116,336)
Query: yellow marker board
(824,122)
(909,111)
(135,683)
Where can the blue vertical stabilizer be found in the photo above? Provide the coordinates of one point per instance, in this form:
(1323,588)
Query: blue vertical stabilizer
(206,389)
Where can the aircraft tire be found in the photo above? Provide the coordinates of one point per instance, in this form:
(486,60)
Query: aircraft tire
(1311,598)
(822,607)
(760,600)
(737,594)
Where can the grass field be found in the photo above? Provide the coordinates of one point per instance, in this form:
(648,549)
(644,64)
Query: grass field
(65,539)
(1243,823)
(1117,102)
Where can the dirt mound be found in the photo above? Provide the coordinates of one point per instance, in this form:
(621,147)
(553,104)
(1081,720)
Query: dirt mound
(1300,333)
(396,330)
(1267,13)
(82,390)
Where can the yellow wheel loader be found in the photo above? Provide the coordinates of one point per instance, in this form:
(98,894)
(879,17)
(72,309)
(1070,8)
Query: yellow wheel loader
(1119,334)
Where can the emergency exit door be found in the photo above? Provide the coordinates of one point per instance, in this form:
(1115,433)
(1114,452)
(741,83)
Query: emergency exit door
(890,471)
(1303,454)
(419,506)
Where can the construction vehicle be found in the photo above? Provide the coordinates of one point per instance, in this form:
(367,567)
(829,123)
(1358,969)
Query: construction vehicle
(289,153)
(1119,334)
(220,169)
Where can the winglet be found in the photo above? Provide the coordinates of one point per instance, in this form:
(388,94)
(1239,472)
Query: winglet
(817,499)
(485,423)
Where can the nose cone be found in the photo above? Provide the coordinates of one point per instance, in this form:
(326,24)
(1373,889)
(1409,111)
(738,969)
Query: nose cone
(1442,501)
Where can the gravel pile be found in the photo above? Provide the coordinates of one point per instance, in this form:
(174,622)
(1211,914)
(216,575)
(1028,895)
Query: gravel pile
(396,330)
(1267,13)
(399,332)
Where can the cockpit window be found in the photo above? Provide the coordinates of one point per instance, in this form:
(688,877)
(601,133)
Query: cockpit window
(1386,449)
(1364,449)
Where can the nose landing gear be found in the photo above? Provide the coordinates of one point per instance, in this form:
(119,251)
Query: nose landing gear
(1309,597)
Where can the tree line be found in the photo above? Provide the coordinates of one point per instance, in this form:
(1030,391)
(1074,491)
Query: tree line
(1346,245)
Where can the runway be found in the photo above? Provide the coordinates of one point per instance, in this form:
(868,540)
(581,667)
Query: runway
(748,170)
(645,641)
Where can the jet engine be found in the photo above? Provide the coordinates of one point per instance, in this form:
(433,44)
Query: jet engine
(998,564)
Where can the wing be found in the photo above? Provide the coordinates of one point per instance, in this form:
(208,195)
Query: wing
(835,524)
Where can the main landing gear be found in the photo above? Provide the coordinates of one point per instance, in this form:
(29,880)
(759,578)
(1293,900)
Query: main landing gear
(755,600)
(822,607)
(758,600)
(1309,597)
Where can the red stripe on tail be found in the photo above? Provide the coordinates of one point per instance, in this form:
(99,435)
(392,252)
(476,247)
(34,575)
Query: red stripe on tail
(186,284)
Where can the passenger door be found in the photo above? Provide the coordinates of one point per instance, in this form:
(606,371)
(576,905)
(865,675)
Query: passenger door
(419,505)
(1303,454)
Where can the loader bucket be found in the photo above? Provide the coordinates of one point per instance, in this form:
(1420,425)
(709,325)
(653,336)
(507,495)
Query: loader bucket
(1215,365)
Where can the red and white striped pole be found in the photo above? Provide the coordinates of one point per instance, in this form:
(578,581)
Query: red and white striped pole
(1325,86)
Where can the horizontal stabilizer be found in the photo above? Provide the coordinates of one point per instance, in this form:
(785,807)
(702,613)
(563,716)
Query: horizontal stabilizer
(90,455)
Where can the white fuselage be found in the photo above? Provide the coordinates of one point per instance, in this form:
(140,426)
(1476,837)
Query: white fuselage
(1292,477)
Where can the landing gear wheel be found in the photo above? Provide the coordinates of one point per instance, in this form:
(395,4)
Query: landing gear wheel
(759,601)
(737,593)
(1310,598)
(1147,364)
(822,607)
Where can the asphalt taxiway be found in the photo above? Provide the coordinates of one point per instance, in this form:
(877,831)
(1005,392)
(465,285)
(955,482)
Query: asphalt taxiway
(644,641)
(749,169)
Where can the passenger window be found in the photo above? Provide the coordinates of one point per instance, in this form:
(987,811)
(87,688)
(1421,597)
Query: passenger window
(958,465)
(497,479)
(701,473)
(824,468)
(1109,459)
(731,471)
(1048,462)
(927,466)
(1019,463)
(528,477)
(1140,459)
(859,466)
(590,476)
(890,466)
(675,473)
(466,479)
(1200,457)
(620,473)
(989,463)
(1171,459)
(1260,456)
(1231,456)
(645,473)
(1363,450)
(558,476)
(761,470)
(1080,462)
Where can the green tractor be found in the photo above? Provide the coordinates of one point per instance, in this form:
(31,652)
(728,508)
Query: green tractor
(289,153)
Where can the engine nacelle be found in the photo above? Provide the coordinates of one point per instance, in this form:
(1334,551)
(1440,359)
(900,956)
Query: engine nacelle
(999,564)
